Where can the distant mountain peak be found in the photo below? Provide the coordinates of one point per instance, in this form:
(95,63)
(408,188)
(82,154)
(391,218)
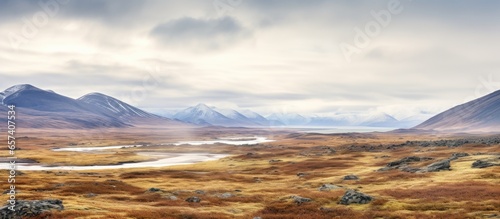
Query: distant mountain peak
(15,90)
(22,87)
(19,87)
(114,106)
(202,106)
(95,96)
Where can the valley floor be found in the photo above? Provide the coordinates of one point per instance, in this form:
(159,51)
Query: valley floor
(259,180)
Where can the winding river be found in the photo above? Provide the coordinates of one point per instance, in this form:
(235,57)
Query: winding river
(163,159)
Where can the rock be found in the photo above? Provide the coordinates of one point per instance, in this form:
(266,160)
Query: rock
(354,197)
(407,160)
(460,154)
(193,199)
(484,164)
(328,187)
(172,197)
(302,174)
(455,156)
(386,169)
(299,200)
(438,166)
(200,192)
(237,190)
(89,195)
(26,209)
(274,161)
(153,189)
(257,217)
(410,169)
(226,195)
(351,177)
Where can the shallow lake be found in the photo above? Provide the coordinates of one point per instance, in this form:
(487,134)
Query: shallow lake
(162,159)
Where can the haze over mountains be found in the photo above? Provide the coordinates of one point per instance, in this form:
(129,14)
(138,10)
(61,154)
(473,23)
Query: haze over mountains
(202,114)
(39,108)
(46,109)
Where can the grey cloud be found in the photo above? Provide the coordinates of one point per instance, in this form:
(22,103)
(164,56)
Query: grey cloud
(243,96)
(70,8)
(208,33)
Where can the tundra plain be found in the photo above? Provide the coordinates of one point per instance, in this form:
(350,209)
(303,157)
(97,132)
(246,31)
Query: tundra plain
(259,180)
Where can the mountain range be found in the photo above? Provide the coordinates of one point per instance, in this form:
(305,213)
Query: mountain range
(37,108)
(202,114)
(46,109)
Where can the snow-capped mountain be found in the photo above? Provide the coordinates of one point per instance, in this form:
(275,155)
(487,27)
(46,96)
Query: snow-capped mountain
(288,119)
(40,108)
(31,97)
(377,119)
(201,114)
(114,106)
(236,116)
(46,109)
(249,118)
(255,117)
(329,121)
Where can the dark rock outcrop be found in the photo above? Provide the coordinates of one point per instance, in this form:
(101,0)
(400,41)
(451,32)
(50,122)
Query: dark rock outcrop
(354,197)
(199,192)
(402,164)
(193,199)
(455,156)
(300,175)
(351,177)
(486,163)
(410,169)
(26,209)
(438,166)
(408,160)
(153,189)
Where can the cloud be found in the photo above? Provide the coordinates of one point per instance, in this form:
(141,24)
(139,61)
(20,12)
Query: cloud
(262,54)
(200,33)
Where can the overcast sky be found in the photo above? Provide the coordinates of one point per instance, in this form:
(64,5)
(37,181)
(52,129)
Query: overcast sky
(311,56)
